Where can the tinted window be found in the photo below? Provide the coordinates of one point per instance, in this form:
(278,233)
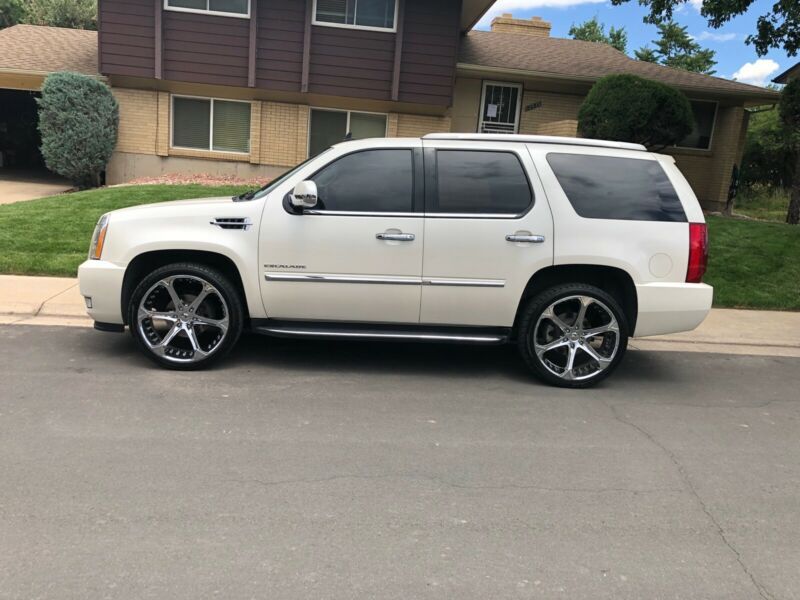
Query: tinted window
(374,180)
(605,187)
(480,182)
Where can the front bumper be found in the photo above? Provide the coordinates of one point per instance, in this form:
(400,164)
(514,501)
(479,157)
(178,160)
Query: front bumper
(671,307)
(102,282)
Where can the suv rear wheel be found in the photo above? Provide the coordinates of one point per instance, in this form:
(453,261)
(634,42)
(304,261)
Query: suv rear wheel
(572,335)
(185,316)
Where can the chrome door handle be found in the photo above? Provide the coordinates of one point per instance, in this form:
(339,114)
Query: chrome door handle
(531,239)
(396,237)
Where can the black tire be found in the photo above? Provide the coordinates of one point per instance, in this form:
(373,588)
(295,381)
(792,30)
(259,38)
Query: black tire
(223,304)
(589,372)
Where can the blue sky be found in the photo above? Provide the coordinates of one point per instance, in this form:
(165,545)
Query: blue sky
(734,57)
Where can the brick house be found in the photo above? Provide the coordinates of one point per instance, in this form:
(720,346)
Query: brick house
(251,87)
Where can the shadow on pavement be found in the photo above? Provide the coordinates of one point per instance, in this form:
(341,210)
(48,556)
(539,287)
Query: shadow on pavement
(375,358)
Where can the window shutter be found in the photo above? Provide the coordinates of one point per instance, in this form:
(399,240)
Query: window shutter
(191,121)
(231,126)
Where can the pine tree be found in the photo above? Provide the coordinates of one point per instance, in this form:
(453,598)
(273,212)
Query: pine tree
(594,31)
(676,48)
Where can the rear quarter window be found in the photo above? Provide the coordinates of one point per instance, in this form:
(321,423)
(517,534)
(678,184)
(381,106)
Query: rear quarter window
(609,187)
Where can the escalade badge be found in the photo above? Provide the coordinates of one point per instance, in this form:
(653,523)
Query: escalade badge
(284,266)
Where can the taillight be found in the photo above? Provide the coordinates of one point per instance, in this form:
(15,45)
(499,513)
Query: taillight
(698,252)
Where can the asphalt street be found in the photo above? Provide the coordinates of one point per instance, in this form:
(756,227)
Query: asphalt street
(315,470)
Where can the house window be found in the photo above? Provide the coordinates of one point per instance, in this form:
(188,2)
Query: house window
(210,124)
(705,114)
(328,127)
(229,8)
(500,107)
(361,14)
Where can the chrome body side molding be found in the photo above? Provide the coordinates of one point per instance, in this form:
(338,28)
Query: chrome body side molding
(336,278)
(382,331)
(318,278)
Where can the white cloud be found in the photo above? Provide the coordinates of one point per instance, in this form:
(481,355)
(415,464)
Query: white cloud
(756,73)
(504,6)
(696,4)
(715,37)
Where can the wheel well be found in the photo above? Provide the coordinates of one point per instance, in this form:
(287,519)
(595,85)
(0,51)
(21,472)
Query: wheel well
(614,281)
(150,261)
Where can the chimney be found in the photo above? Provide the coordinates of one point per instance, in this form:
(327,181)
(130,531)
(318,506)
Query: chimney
(506,23)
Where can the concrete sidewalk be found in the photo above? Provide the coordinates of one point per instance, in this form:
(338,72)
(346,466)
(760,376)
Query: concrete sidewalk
(57,301)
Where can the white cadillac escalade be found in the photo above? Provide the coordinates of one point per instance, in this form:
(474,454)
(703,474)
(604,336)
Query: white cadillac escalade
(565,247)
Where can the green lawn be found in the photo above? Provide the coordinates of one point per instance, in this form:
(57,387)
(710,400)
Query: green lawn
(752,264)
(51,236)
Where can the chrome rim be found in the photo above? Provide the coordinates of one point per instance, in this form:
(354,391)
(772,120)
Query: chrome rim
(183,318)
(576,338)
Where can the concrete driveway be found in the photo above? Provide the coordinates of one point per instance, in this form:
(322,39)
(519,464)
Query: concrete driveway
(19,185)
(351,470)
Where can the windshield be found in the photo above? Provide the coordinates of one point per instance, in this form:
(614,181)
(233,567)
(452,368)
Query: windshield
(281,178)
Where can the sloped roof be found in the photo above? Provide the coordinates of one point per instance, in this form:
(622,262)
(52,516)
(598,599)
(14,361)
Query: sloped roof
(33,48)
(788,74)
(585,61)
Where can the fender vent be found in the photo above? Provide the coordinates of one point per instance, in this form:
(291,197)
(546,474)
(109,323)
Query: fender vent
(232,222)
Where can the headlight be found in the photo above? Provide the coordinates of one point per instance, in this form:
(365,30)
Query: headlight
(98,238)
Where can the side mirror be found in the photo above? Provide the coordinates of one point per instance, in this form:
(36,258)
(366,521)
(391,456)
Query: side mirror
(304,195)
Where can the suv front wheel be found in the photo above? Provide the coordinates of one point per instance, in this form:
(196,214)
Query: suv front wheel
(572,335)
(185,316)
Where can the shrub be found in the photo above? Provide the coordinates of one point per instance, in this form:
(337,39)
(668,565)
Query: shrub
(627,108)
(11,12)
(78,121)
(72,14)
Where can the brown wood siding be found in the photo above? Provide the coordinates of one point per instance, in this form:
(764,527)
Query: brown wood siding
(205,48)
(351,62)
(127,44)
(430,50)
(280,44)
(202,48)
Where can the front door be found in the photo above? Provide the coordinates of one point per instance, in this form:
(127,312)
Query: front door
(488,229)
(357,256)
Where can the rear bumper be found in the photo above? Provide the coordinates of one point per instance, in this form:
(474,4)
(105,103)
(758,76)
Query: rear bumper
(671,307)
(102,282)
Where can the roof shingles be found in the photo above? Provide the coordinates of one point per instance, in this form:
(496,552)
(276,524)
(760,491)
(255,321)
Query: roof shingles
(38,49)
(583,61)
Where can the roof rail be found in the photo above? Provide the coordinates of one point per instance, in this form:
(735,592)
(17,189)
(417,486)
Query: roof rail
(533,139)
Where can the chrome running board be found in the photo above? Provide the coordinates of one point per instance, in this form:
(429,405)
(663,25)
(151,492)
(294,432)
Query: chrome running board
(387,332)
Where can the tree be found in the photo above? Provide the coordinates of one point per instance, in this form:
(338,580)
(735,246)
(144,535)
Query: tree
(646,54)
(11,12)
(675,48)
(790,115)
(74,14)
(768,157)
(78,121)
(594,31)
(778,26)
(628,108)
